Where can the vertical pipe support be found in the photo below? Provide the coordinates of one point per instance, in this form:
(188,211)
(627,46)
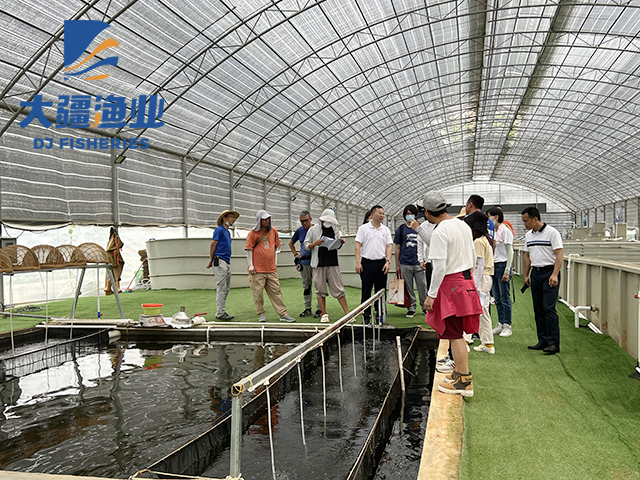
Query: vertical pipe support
(236,433)
(400,365)
(185,203)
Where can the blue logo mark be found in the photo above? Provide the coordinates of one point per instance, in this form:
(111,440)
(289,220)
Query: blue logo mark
(78,35)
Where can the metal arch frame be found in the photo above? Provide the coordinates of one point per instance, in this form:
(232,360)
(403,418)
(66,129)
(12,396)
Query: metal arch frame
(292,67)
(247,41)
(40,53)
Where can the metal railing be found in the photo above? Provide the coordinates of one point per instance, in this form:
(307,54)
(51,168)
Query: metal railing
(284,363)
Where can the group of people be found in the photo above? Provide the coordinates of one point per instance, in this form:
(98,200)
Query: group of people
(317,262)
(457,265)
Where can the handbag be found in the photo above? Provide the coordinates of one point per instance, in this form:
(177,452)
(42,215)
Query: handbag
(396,290)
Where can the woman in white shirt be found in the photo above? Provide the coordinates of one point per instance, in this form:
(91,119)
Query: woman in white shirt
(503,257)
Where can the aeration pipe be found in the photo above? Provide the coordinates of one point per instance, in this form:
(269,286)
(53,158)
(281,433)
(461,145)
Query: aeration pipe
(281,364)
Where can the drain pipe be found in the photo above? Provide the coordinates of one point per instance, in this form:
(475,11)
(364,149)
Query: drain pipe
(636,373)
(581,308)
(569,276)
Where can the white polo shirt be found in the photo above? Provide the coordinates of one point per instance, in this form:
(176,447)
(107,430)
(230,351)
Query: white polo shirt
(541,245)
(374,241)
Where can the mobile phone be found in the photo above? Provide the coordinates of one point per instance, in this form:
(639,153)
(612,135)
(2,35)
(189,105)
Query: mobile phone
(524,288)
(216,261)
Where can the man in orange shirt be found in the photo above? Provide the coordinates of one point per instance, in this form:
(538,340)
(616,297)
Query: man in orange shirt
(261,245)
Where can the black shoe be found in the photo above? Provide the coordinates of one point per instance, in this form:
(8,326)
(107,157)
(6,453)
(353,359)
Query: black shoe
(537,346)
(551,350)
(318,314)
(306,313)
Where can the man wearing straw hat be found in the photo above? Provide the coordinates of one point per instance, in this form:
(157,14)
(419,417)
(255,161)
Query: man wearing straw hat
(220,259)
(324,241)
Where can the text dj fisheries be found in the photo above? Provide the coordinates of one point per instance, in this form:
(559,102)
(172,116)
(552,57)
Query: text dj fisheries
(91,143)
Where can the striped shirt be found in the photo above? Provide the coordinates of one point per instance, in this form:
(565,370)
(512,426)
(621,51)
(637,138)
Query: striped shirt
(541,245)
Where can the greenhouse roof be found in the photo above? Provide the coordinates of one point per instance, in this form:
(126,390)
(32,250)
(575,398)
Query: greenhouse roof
(358,101)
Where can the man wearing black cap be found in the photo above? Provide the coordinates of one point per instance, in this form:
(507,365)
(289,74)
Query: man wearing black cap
(452,303)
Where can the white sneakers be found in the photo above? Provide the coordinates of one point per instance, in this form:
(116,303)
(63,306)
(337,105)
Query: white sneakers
(503,329)
(325,318)
(506,330)
(484,348)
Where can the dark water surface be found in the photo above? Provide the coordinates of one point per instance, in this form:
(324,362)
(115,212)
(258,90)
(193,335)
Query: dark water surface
(332,444)
(113,413)
(116,412)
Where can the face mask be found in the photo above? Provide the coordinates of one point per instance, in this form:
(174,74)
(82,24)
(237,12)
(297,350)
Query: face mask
(327,224)
(227,224)
(409,218)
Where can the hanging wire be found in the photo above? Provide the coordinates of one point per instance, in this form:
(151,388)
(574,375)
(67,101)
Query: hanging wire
(304,441)
(273,460)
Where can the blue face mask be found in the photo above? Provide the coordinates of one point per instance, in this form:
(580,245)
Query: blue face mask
(409,218)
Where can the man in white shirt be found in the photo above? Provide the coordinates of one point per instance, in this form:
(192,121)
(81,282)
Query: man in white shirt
(452,303)
(543,260)
(374,247)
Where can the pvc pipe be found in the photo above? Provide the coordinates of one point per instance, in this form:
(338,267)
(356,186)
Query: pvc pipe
(577,310)
(340,363)
(638,350)
(400,365)
(353,348)
(304,441)
(569,275)
(273,460)
(324,384)
(13,347)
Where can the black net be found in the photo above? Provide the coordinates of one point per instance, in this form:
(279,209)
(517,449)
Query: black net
(33,359)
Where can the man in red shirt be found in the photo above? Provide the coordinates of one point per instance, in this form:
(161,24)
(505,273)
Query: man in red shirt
(261,245)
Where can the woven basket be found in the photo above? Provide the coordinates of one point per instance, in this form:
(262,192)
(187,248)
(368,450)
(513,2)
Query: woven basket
(22,258)
(6,266)
(94,253)
(48,256)
(72,256)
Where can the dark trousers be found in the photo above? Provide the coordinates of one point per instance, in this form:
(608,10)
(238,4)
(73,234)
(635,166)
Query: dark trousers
(372,277)
(427,273)
(544,305)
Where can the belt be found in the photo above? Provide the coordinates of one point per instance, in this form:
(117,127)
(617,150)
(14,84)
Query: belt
(374,259)
(546,267)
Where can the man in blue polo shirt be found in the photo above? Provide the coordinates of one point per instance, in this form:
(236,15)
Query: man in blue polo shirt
(220,259)
(303,262)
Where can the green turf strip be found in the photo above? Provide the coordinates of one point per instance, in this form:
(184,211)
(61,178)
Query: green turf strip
(575,415)
(239,304)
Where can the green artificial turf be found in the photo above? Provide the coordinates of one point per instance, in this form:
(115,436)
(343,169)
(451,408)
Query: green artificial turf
(575,415)
(239,303)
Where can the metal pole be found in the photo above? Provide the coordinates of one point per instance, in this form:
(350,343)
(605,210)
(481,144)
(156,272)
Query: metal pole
(185,202)
(400,364)
(236,433)
(78,287)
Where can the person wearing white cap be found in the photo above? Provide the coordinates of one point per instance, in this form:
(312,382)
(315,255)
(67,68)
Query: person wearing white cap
(324,261)
(220,258)
(453,304)
(261,245)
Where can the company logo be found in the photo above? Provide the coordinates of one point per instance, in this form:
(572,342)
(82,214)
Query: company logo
(78,35)
(103,110)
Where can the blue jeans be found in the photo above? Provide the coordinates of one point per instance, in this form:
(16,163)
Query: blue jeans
(501,291)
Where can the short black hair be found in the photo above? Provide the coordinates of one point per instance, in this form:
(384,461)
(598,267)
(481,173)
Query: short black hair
(438,213)
(495,211)
(375,207)
(477,201)
(533,212)
(409,208)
